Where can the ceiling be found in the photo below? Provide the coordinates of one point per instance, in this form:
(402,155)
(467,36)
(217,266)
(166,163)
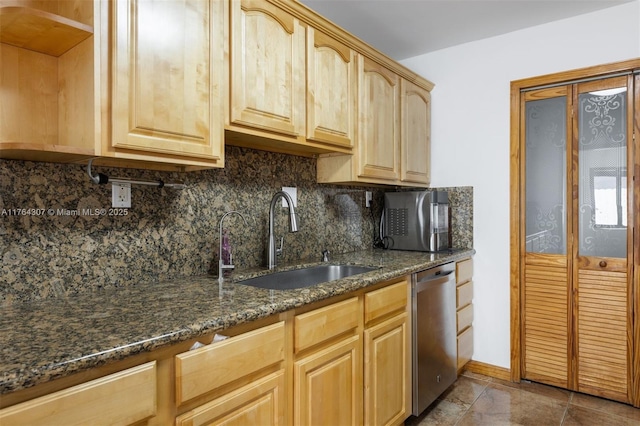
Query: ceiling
(405,28)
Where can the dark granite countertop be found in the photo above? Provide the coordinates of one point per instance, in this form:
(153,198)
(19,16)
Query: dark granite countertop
(53,338)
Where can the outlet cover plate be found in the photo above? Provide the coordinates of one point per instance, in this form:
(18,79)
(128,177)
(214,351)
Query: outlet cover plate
(121,195)
(293,192)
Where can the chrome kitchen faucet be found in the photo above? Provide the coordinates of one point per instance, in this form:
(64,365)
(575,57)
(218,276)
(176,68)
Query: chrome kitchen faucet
(221,265)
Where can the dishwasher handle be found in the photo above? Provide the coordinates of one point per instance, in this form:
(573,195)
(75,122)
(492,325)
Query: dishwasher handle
(432,280)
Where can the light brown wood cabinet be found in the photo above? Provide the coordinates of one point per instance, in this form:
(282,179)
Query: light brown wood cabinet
(267,70)
(387,355)
(464,311)
(331,90)
(415,134)
(291,87)
(113,83)
(394,133)
(47,96)
(379,122)
(328,385)
(167,66)
(342,361)
(125,397)
(327,371)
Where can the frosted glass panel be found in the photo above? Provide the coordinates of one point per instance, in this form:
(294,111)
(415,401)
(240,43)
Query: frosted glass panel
(546,169)
(602,161)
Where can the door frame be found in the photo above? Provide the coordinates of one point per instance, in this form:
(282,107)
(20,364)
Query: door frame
(517,243)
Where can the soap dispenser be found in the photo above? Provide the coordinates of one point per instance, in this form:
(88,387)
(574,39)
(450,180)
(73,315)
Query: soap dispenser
(225,254)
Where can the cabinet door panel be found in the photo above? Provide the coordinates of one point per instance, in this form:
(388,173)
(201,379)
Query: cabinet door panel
(387,379)
(267,68)
(259,403)
(334,377)
(415,150)
(168,63)
(465,347)
(378,126)
(331,91)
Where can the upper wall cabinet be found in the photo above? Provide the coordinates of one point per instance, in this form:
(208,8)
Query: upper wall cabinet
(136,83)
(291,88)
(379,130)
(393,144)
(163,84)
(46,81)
(267,71)
(415,134)
(168,79)
(331,90)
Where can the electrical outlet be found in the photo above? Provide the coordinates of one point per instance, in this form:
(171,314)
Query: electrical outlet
(368,197)
(293,192)
(121,195)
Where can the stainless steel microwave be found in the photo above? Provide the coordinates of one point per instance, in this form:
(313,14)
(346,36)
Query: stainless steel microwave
(416,220)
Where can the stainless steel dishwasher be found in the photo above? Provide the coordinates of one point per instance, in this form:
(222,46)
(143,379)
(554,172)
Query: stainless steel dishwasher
(435,349)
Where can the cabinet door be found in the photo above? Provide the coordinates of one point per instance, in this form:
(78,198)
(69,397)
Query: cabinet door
(168,60)
(415,148)
(267,68)
(331,90)
(387,377)
(328,385)
(379,129)
(259,403)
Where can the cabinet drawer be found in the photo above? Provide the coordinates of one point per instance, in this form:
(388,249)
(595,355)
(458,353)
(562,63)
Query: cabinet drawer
(322,324)
(386,300)
(465,317)
(465,347)
(122,398)
(464,270)
(464,294)
(205,369)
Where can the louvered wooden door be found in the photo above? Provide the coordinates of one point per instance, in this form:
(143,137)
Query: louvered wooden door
(575,298)
(602,242)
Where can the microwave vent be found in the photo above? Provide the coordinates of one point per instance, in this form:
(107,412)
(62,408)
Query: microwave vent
(398,223)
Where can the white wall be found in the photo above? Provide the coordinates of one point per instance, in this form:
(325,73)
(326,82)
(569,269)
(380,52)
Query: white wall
(470,134)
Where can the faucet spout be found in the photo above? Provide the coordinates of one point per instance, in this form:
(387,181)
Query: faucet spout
(293,226)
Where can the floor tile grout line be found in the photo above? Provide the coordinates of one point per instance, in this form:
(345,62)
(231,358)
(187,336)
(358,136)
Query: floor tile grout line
(566,409)
(461,416)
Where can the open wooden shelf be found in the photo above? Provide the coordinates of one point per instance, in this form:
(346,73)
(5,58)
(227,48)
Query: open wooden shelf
(40,31)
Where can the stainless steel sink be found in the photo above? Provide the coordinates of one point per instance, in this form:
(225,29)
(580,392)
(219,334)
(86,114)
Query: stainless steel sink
(300,278)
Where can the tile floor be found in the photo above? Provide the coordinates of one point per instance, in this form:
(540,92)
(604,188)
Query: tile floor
(479,400)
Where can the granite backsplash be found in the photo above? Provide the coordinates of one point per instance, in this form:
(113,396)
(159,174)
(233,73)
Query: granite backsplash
(61,249)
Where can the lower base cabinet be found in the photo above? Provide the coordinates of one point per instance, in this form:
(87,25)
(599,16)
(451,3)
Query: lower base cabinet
(342,361)
(387,391)
(328,385)
(464,311)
